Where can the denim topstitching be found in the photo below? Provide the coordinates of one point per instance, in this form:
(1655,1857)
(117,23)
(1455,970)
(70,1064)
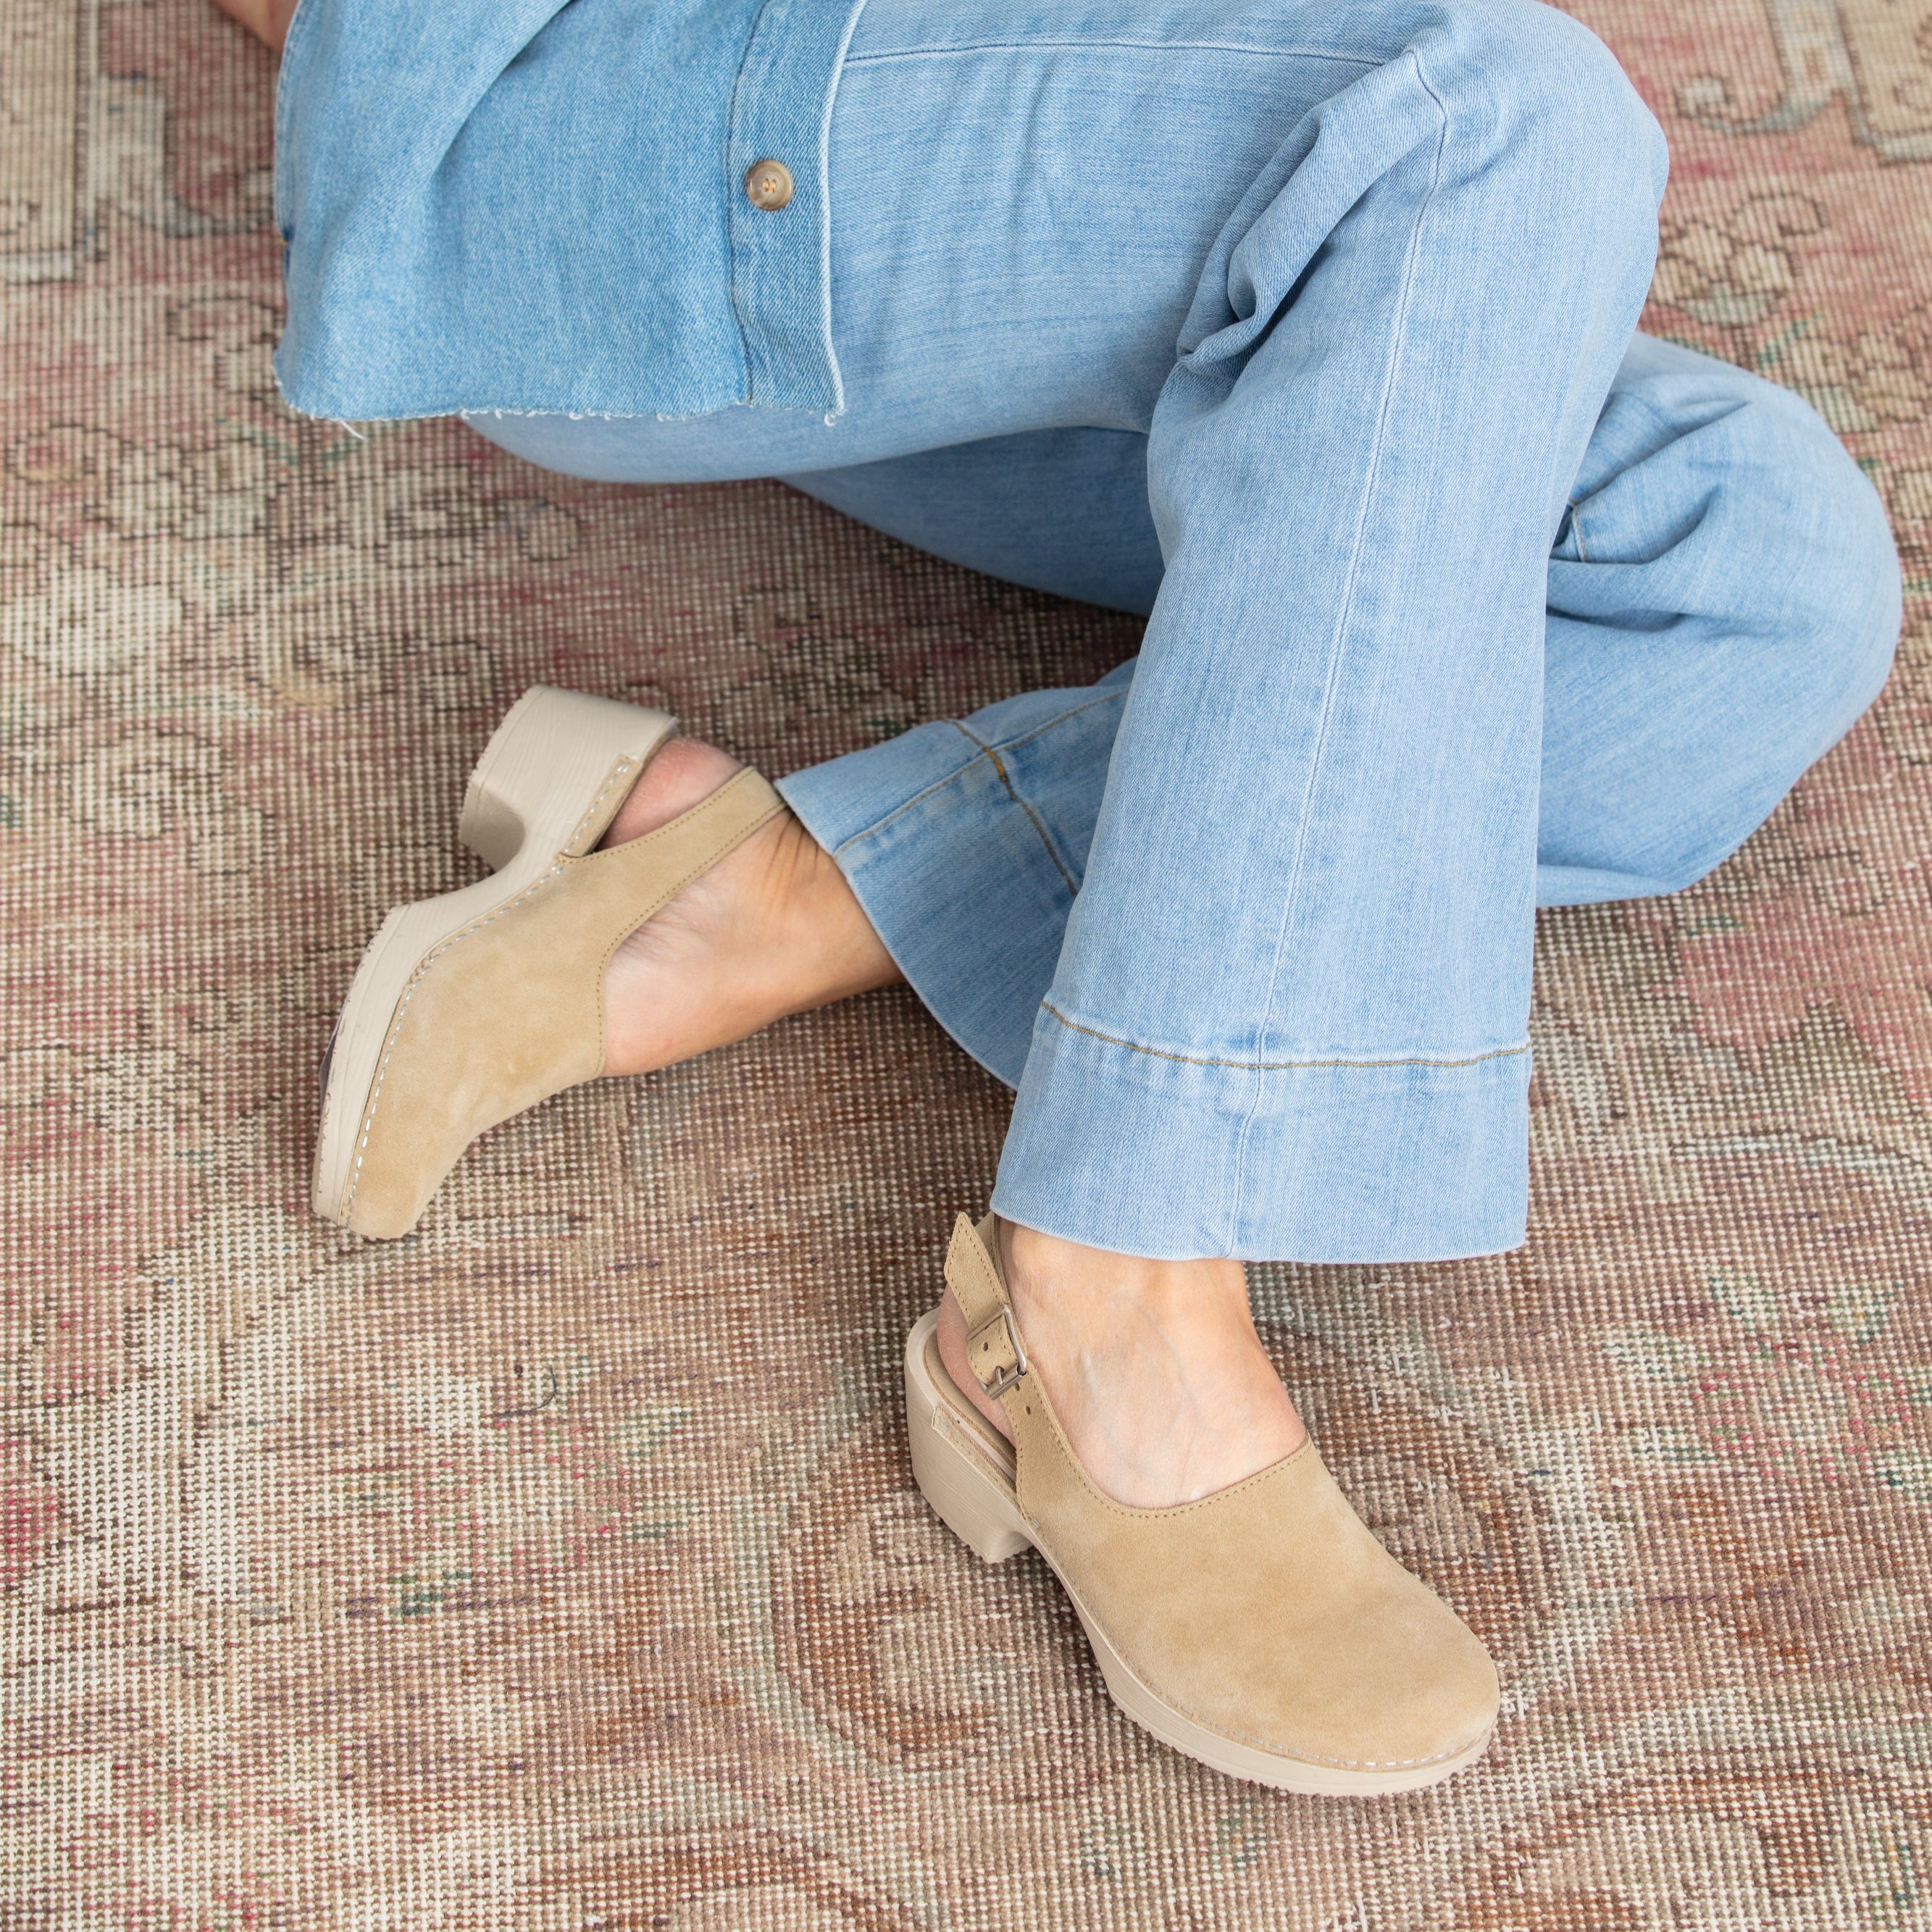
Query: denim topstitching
(1238,1179)
(879,54)
(1278,1066)
(987,751)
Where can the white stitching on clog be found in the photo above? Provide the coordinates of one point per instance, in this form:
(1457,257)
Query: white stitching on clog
(423,965)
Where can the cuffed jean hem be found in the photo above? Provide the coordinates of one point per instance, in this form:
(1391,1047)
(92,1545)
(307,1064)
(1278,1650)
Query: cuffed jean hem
(958,867)
(1176,1159)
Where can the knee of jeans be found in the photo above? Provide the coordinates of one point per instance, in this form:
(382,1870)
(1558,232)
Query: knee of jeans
(1810,552)
(1845,612)
(1560,91)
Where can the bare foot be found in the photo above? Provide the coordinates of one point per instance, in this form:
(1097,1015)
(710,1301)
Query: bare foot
(266,19)
(1153,1368)
(772,929)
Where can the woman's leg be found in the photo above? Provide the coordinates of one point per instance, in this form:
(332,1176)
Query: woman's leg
(1724,602)
(1317,842)
(1289,1016)
(1064,510)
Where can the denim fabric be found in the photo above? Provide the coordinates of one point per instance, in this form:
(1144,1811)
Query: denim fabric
(540,206)
(1309,330)
(1733,616)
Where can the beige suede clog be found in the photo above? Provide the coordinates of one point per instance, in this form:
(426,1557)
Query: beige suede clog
(469,1008)
(1262,1629)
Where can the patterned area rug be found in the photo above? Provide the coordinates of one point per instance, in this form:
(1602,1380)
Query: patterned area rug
(561,1568)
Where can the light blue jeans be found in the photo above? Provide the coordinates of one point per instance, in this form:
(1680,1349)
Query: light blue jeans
(1308,330)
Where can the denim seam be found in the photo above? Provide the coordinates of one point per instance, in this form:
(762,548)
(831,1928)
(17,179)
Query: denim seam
(1033,817)
(900,811)
(1278,1065)
(824,158)
(297,35)
(1059,718)
(1577,530)
(1238,1180)
(724,169)
(883,54)
(985,750)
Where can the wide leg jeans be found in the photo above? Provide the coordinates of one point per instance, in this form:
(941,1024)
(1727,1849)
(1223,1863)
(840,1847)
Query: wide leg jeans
(1309,330)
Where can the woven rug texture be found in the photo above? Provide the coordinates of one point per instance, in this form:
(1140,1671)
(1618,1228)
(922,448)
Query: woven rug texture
(560,1568)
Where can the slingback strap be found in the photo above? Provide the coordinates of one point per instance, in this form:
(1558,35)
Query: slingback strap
(994,1350)
(659,865)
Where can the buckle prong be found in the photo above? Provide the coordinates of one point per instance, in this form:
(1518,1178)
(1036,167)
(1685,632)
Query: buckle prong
(1004,1377)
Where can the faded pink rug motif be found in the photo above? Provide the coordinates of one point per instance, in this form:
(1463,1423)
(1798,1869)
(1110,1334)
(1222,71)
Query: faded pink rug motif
(561,1568)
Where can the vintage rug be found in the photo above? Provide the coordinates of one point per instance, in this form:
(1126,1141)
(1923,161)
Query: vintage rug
(561,1568)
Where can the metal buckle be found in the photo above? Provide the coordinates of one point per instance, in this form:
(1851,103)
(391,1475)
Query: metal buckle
(1006,1378)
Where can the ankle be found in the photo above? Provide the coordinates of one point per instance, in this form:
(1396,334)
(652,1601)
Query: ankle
(772,929)
(815,945)
(1062,1281)
(1153,1367)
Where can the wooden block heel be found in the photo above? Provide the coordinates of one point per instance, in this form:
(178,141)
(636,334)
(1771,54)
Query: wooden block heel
(962,1467)
(554,751)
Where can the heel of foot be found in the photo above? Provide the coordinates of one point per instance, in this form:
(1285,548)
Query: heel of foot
(685,773)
